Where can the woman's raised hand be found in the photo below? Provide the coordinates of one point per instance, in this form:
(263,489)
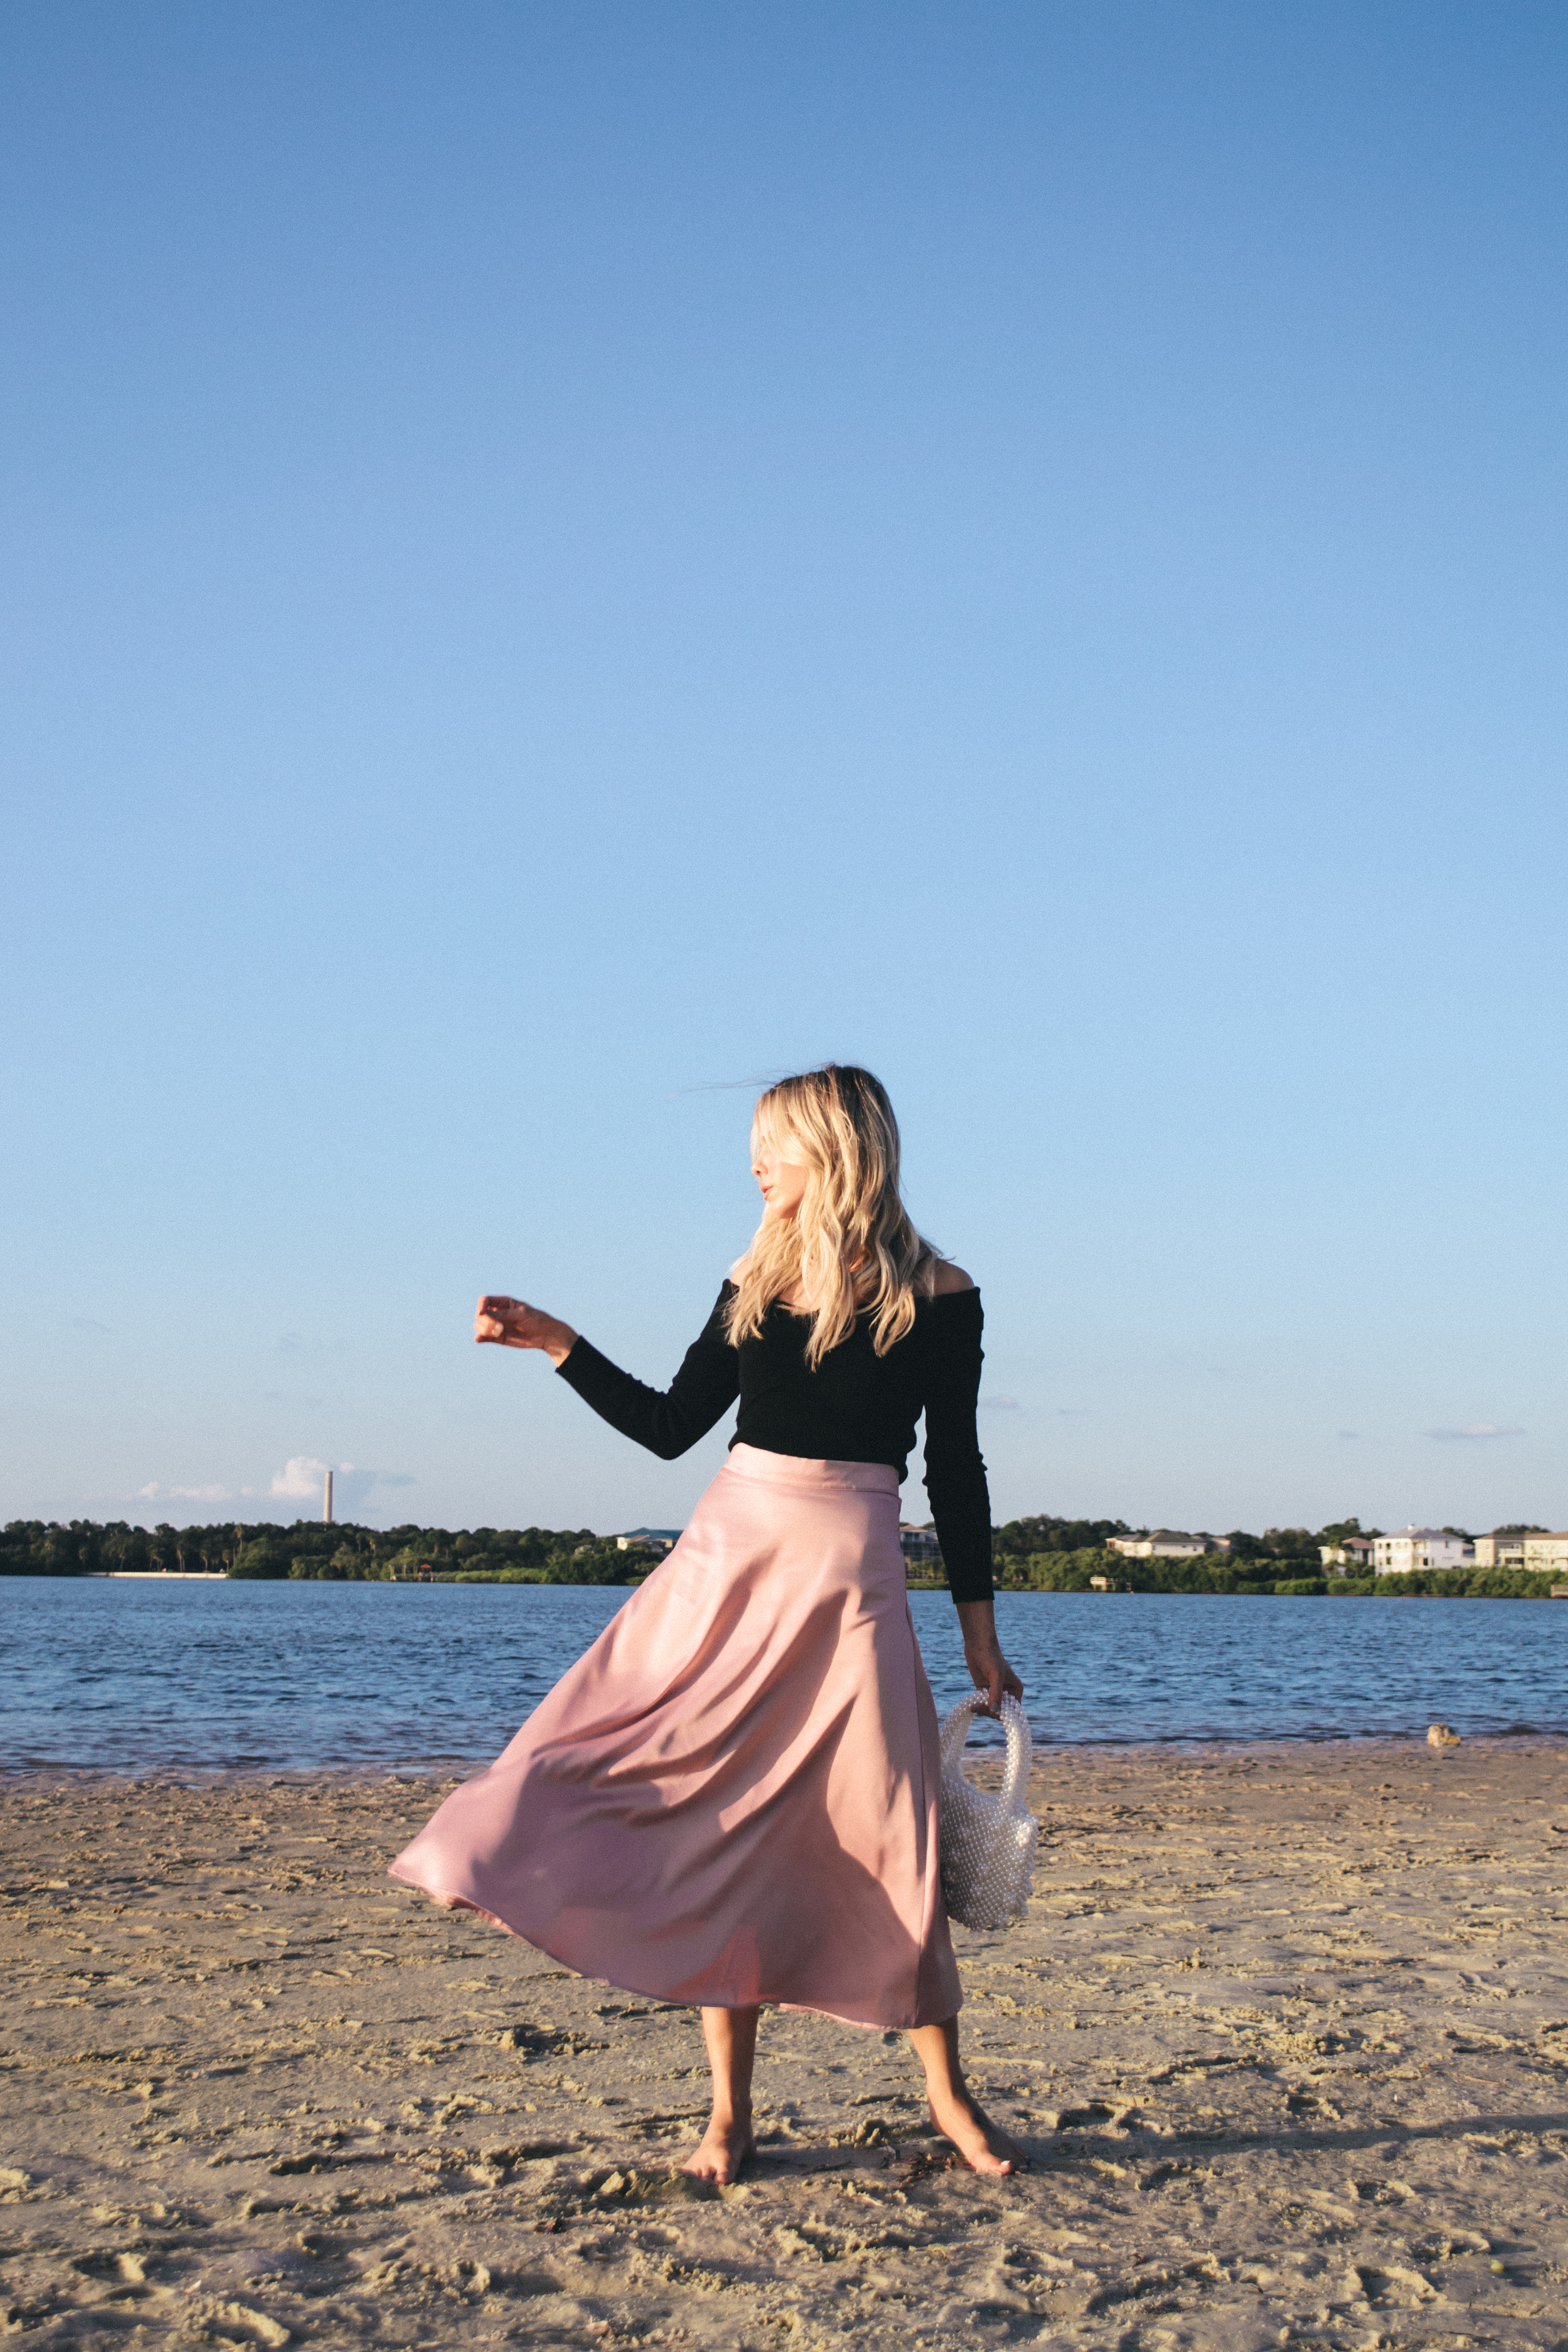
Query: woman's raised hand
(512,1323)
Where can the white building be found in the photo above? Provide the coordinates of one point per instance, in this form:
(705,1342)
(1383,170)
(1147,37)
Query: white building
(918,1544)
(649,1540)
(1162,1543)
(1546,1551)
(1502,1550)
(1415,1548)
(1355,1551)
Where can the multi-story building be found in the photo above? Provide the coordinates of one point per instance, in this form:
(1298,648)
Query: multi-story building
(1353,1552)
(1415,1548)
(919,1547)
(1546,1551)
(1504,1548)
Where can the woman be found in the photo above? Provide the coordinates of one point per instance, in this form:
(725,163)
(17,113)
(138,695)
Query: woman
(731,1798)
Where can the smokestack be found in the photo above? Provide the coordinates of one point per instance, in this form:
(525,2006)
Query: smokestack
(327,1500)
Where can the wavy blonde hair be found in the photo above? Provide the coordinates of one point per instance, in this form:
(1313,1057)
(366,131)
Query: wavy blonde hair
(851,1244)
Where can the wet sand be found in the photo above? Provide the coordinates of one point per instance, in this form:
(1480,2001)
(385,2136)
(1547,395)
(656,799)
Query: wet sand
(1286,2033)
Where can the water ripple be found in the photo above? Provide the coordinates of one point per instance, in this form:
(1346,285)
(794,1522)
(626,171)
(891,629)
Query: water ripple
(132,1677)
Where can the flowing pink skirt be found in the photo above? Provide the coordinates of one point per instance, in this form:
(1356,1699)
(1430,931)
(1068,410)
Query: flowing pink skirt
(732,1796)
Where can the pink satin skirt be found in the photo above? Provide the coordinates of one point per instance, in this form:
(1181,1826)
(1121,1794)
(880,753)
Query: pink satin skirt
(731,1798)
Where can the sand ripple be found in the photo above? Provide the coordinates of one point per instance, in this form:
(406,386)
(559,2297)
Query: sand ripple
(1287,2032)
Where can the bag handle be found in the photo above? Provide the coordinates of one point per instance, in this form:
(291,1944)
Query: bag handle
(956,1731)
(1020,1754)
(1020,1747)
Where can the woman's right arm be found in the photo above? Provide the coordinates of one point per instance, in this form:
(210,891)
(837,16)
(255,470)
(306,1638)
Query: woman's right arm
(665,1420)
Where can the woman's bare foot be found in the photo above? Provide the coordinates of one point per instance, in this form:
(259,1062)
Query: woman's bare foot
(983,2144)
(722,2151)
(731,2038)
(953,2111)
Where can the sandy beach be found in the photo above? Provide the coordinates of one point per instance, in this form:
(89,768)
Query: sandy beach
(1286,2033)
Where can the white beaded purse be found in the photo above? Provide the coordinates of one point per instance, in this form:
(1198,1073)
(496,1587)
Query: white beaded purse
(987,1842)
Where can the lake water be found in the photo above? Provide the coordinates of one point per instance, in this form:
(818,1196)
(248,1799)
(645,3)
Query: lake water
(140,1677)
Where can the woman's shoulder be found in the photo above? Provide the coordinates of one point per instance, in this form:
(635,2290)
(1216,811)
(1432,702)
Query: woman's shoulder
(950,1313)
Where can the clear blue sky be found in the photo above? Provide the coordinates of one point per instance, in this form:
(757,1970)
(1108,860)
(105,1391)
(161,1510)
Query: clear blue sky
(558,558)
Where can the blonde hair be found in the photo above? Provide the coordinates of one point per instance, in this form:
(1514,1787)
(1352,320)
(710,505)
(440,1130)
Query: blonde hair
(851,1244)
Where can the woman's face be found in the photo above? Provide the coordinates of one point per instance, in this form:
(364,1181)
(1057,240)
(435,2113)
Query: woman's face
(782,1180)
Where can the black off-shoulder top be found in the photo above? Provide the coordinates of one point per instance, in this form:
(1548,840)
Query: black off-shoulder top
(857,1406)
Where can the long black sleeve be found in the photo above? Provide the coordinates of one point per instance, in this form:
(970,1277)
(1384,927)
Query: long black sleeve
(665,1420)
(955,1471)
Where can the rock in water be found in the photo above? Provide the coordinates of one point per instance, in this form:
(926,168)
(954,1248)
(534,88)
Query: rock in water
(1441,1735)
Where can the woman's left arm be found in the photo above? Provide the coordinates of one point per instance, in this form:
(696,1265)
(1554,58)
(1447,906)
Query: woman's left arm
(955,1478)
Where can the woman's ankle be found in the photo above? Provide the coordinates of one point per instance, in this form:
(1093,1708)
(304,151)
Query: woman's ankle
(952,2095)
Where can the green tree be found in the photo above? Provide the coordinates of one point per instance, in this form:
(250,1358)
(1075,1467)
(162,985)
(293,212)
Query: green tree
(260,1558)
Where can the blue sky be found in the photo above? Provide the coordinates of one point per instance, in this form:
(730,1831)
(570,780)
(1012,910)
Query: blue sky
(557,560)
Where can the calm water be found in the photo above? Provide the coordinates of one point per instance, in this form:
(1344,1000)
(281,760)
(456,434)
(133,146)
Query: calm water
(132,1677)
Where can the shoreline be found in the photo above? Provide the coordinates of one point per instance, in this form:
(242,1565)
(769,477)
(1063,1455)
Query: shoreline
(450,1769)
(1329,1588)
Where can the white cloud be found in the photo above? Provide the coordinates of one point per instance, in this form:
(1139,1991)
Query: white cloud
(299,1480)
(156,1491)
(1473,1429)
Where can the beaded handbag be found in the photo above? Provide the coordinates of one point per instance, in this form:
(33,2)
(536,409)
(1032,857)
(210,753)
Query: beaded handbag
(987,1842)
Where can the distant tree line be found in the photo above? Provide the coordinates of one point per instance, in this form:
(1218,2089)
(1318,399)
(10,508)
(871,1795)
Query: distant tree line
(309,1550)
(1032,1554)
(1043,1554)
(1024,1538)
(1074,1571)
(1040,1554)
